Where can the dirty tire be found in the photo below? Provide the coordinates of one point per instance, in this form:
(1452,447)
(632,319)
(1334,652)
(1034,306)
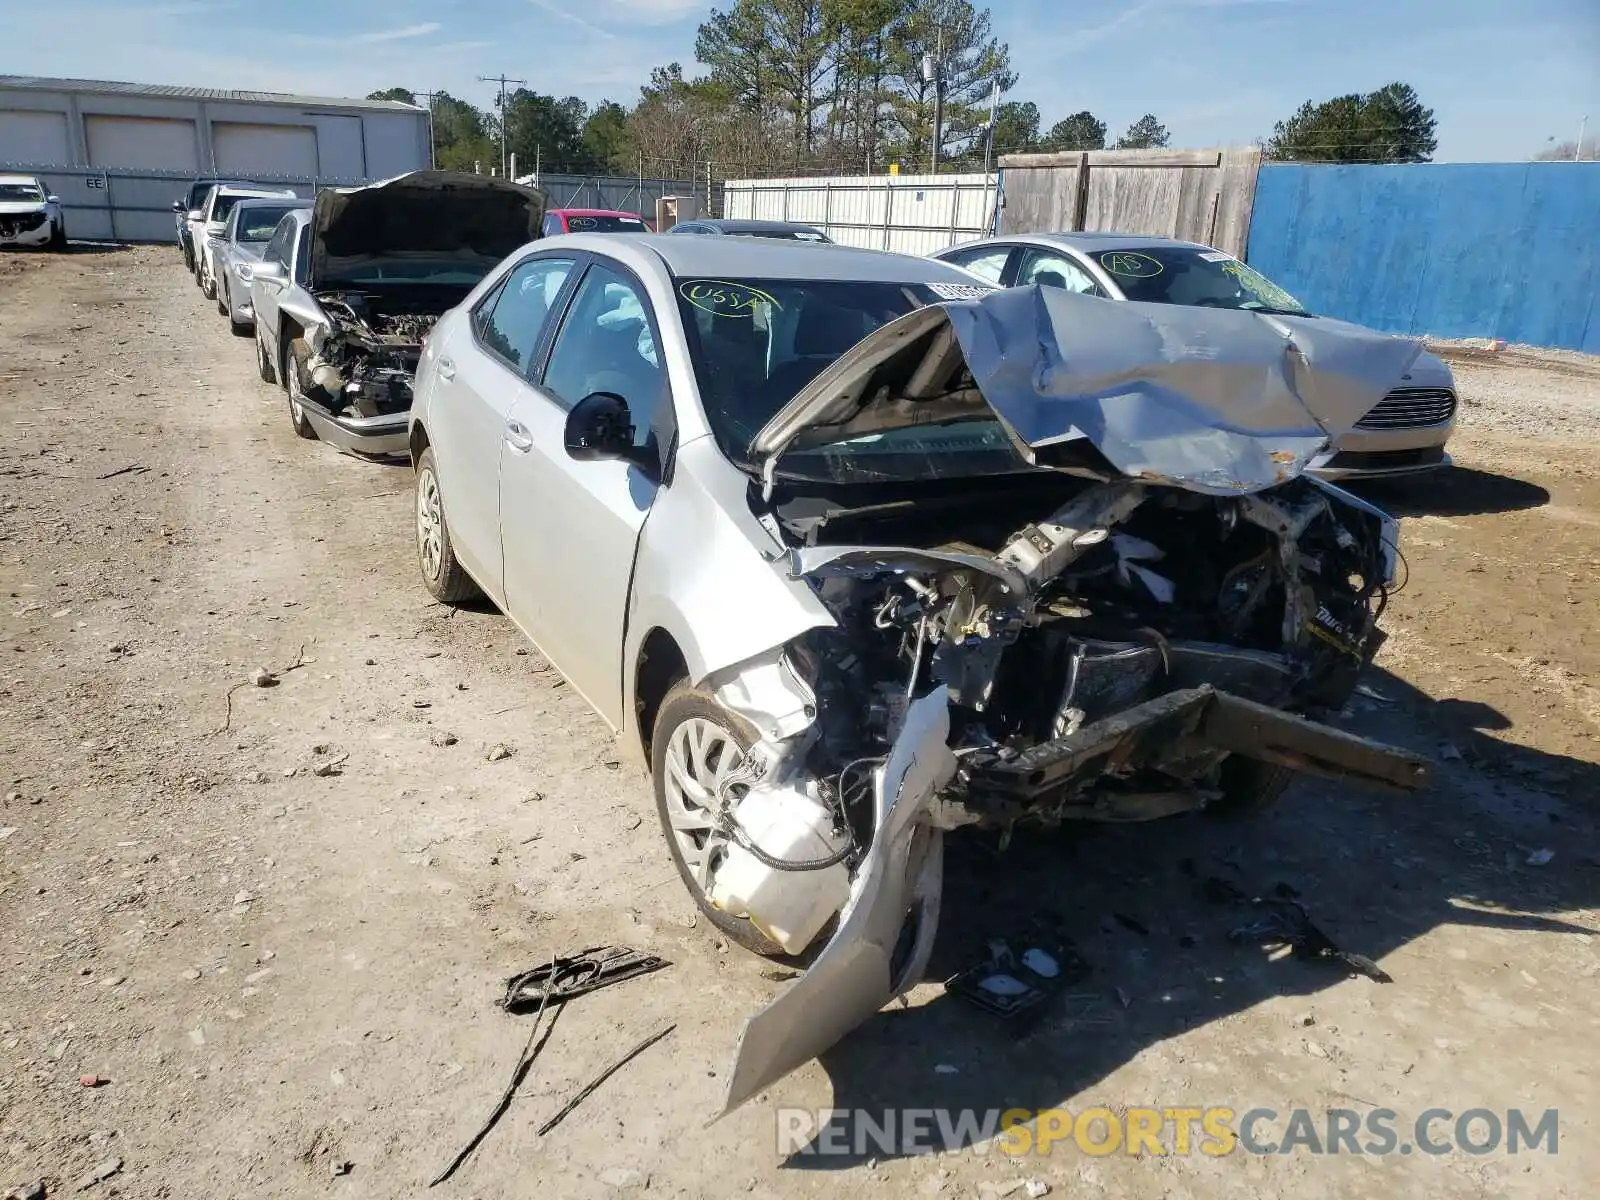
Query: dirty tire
(1250,787)
(222,298)
(58,237)
(293,374)
(208,287)
(682,705)
(445,578)
(264,366)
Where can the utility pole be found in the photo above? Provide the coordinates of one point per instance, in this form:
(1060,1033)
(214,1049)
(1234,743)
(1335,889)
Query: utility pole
(988,133)
(433,154)
(933,72)
(502,80)
(1583,128)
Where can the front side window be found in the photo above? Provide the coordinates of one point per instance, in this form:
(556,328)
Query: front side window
(607,344)
(302,253)
(1056,270)
(512,320)
(988,264)
(1194,275)
(278,247)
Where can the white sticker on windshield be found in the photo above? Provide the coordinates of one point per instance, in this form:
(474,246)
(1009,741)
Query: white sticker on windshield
(960,291)
(1216,256)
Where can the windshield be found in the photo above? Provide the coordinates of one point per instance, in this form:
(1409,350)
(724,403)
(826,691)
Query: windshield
(257,224)
(756,342)
(21,191)
(1195,276)
(368,271)
(605,224)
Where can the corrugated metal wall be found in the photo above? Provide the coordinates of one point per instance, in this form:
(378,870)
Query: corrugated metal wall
(1505,250)
(134,206)
(909,214)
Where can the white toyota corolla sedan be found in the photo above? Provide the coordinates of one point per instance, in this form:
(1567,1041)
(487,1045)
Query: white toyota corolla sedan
(854,549)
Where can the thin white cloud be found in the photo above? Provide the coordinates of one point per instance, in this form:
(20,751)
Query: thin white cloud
(556,10)
(396,35)
(656,12)
(1143,12)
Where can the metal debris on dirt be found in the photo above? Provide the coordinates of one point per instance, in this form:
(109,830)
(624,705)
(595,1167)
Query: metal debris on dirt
(564,978)
(1283,920)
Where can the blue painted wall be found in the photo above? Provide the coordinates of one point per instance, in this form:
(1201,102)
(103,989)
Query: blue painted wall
(1506,250)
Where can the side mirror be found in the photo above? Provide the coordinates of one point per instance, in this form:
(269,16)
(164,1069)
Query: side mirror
(52,199)
(196,214)
(599,427)
(177,206)
(266,269)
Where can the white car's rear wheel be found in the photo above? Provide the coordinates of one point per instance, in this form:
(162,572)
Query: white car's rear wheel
(446,580)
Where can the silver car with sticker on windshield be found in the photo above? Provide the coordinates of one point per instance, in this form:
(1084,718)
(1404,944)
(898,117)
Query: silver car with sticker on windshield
(1404,433)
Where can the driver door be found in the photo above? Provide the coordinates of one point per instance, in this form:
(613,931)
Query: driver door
(569,529)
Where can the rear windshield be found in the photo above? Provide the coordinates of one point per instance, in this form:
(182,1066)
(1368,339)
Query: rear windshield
(257,224)
(784,235)
(606,225)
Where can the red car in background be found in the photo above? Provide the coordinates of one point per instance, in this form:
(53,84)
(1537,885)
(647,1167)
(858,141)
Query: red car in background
(593,220)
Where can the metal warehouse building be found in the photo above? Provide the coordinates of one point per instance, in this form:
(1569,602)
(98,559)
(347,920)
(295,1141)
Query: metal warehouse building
(114,151)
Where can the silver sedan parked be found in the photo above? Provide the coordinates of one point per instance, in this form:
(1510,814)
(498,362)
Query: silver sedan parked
(853,550)
(1404,433)
(249,228)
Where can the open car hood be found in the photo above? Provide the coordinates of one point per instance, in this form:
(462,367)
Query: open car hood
(1218,401)
(426,214)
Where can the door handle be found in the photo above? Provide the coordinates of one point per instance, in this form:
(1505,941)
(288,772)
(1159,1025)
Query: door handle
(518,438)
(447,369)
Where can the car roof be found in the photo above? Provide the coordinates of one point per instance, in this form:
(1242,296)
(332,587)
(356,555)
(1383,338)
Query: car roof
(272,202)
(253,190)
(19,179)
(596,212)
(738,225)
(1087,240)
(714,257)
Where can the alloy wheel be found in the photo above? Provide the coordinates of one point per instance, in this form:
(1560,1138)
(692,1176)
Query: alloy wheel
(700,756)
(430,524)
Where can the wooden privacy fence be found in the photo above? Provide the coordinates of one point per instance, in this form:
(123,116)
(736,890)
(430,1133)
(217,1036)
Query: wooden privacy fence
(1198,195)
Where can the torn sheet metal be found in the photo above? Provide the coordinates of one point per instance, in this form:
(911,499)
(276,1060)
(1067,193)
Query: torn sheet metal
(1218,401)
(855,974)
(868,562)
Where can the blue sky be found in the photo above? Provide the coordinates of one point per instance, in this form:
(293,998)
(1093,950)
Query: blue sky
(1501,77)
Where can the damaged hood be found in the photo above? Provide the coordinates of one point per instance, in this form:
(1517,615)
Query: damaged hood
(426,214)
(1218,401)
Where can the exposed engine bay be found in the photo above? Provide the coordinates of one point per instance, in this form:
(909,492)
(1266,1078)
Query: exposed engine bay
(363,362)
(1139,652)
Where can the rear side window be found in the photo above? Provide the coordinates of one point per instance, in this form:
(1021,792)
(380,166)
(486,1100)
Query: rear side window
(510,323)
(989,264)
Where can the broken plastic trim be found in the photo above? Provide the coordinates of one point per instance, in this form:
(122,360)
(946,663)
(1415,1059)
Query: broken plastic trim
(899,880)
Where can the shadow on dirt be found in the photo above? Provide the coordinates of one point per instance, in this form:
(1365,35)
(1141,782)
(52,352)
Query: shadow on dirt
(1141,904)
(1451,492)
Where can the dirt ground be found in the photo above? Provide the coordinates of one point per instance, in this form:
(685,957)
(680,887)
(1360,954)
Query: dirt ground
(287,979)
